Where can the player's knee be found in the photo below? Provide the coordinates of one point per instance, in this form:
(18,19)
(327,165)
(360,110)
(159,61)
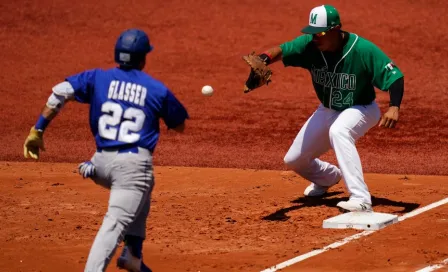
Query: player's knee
(336,133)
(296,161)
(289,159)
(117,222)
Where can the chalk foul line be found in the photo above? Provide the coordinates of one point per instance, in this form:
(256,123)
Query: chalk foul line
(352,238)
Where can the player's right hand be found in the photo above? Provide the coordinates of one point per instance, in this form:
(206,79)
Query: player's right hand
(390,118)
(87,169)
(33,143)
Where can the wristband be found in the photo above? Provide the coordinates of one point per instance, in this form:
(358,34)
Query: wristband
(41,123)
(266,57)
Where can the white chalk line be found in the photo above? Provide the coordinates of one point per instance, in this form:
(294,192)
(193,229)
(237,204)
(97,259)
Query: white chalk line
(351,238)
(434,267)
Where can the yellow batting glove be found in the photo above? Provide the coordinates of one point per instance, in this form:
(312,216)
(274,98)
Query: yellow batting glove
(33,143)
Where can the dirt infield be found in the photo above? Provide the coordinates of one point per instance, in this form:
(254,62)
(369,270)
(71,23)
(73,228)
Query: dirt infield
(44,41)
(223,200)
(207,219)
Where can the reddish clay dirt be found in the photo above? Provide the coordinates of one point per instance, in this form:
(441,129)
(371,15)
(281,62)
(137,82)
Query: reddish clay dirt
(50,214)
(44,41)
(208,219)
(411,245)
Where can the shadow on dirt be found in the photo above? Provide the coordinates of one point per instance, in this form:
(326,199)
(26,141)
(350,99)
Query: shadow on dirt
(329,200)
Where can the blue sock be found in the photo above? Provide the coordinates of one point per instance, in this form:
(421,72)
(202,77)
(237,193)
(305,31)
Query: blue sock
(136,245)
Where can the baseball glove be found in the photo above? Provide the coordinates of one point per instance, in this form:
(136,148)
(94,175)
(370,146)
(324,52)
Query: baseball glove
(260,73)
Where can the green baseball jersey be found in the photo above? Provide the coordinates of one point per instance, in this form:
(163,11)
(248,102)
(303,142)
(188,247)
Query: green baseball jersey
(346,78)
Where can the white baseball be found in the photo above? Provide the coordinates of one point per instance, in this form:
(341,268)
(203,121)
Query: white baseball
(207,90)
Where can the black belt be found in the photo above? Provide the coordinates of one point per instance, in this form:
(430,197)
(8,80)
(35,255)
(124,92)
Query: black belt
(120,149)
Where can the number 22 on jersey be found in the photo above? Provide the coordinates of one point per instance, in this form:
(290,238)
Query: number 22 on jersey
(118,124)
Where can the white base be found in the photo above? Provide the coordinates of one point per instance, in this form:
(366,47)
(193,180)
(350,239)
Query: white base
(360,220)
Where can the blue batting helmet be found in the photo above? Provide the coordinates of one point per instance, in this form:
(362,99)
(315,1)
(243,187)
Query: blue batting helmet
(131,47)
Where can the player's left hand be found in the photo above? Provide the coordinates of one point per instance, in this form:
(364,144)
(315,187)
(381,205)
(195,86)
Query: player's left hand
(390,118)
(33,143)
(86,169)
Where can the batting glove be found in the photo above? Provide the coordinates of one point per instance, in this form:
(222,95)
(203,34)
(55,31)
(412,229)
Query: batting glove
(86,169)
(33,143)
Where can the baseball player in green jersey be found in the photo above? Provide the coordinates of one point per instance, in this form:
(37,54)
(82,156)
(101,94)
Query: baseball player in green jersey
(345,68)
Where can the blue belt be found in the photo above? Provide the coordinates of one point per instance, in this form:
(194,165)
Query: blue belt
(123,149)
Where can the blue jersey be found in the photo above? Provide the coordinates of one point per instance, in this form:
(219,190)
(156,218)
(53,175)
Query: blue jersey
(125,106)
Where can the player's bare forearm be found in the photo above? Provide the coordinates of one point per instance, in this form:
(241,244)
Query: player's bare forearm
(274,54)
(49,113)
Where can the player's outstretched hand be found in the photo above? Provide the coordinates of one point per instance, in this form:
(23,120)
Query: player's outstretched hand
(86,169)
(33,143)
(390,118)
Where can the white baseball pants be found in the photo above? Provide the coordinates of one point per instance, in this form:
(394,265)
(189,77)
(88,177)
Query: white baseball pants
(325,129)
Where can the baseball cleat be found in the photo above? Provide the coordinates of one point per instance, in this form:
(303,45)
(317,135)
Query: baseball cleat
(354,206)
(314,190)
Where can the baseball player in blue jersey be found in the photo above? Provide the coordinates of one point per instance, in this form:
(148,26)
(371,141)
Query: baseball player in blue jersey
(126,105)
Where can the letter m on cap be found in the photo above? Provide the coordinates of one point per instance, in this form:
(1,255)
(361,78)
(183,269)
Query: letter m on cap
(313,18)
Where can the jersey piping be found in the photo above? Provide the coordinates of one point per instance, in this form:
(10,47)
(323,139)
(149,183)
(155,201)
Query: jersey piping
(336,66)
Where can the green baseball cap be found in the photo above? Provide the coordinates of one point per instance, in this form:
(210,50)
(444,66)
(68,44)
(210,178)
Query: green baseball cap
(322,18)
